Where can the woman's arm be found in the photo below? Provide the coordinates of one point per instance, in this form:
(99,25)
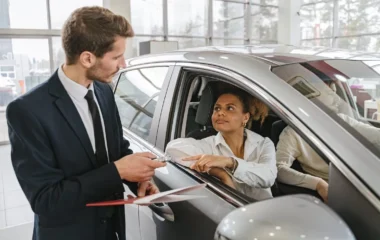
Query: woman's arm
(261,173)
(222,175)
(181,148)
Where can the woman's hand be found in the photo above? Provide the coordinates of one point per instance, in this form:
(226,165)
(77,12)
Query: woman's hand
(205,162)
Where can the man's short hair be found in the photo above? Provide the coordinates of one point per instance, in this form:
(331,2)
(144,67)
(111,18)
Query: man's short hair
(92,29)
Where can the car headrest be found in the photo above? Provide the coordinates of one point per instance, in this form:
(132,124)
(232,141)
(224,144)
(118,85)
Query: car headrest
(277,128)
(195,88)
(206,106)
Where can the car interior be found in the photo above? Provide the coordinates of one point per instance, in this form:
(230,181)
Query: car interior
(196,123)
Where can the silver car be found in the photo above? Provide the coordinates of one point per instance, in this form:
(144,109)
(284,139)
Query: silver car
(167,96)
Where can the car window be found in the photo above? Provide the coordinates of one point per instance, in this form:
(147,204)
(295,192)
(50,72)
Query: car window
(196,122)
(347,90)
(136,96)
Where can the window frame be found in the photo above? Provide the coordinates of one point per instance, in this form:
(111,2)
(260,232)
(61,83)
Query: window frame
(161,96)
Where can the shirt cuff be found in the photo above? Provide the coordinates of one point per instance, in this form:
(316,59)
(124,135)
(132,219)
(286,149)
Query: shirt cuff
(241,168)
(311,181)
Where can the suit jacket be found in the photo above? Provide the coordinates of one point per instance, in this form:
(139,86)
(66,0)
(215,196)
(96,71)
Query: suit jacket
(55,163)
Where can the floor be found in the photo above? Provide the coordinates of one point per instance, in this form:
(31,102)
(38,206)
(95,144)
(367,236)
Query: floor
(14,207)
(3,125)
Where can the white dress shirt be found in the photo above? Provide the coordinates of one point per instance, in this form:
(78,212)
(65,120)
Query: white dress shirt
(291,146)
(255,173)
(77,93)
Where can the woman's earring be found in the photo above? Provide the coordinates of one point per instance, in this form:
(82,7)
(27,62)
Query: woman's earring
(244,124)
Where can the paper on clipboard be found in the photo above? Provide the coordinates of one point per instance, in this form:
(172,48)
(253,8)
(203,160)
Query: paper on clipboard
(162,197)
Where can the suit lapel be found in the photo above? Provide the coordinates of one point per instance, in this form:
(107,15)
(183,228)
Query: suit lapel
(66,106)
(103,104)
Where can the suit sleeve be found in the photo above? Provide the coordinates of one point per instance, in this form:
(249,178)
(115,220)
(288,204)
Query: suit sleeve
(47,189)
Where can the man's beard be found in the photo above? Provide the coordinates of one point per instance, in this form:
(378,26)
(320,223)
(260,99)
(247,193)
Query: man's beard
(95,74)
(91,74)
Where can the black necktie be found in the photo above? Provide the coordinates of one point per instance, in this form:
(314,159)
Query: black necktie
(101,153)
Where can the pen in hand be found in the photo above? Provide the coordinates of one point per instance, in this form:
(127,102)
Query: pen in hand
(162,159)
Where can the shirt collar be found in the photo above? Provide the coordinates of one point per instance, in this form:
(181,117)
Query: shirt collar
(251,140)
(74,89)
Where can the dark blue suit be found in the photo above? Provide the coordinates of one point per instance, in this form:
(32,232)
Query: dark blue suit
(56,166)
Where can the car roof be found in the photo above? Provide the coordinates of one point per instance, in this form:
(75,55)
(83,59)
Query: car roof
(271,54)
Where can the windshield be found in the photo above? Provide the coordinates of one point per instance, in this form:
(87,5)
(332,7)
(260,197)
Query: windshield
(346,88)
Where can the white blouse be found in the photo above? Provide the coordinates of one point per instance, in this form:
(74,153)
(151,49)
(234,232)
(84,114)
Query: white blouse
(255,173)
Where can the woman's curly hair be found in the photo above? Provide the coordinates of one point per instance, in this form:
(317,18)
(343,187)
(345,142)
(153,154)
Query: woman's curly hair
(258,110)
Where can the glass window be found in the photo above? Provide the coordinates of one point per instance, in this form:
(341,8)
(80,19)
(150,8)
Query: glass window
(29,66)
(188,18)
(265,2)
(363,43)
(356,17)
(189,42)
(13,14)
(60,10)
(228,19)
(136,44)
(317,42)
(7,68)
(147,17)
(136,97)
(312,1)
(264,23)
(345,89)
(317,20)
(59,56)
(224,42)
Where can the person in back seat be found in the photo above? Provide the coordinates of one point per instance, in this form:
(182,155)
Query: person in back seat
(237,156)
(314,173)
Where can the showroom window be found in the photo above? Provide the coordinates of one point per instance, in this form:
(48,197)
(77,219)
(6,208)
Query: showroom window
(346,24)
(204,22)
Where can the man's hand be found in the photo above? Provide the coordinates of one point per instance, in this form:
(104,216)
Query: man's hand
(323,189)
(205,162)
(138,167)
(147,188)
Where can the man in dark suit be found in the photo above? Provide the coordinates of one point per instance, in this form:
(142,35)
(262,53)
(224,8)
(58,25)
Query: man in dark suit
(66,135)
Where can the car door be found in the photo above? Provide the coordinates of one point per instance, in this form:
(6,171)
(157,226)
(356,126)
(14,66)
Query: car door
(138,94)
(195,219)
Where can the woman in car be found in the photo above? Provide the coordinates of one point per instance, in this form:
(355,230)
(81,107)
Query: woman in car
(237,156)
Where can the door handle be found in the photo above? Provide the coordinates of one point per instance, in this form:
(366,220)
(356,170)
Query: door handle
(163,210)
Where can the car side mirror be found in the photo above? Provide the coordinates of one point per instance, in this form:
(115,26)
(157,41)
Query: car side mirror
(288,217)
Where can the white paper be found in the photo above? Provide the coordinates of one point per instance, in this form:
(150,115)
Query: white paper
(171,195)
